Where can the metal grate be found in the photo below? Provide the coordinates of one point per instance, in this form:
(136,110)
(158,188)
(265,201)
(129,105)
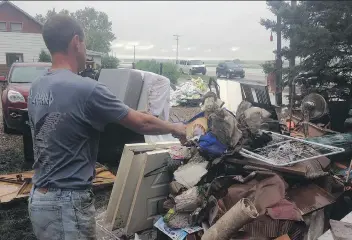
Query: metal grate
(285,150)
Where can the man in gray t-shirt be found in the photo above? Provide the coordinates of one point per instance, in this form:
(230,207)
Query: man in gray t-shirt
(67,113)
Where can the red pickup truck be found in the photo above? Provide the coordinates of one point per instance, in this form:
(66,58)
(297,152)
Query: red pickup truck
(14,96)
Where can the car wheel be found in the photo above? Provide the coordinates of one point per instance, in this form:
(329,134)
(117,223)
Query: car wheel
(228,75)
(242,76)
(204,72)
(28,147)
(218,75)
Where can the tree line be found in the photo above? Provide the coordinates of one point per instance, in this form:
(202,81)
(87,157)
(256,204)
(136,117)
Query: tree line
(98,32)
(321,38)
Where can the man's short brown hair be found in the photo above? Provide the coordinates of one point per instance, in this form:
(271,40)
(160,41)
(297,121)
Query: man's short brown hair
(58,32)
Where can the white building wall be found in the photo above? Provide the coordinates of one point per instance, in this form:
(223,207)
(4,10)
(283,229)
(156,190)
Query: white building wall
(97,59)
(29,44)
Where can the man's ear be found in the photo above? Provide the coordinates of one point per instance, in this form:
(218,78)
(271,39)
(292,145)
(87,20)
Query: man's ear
(75,42)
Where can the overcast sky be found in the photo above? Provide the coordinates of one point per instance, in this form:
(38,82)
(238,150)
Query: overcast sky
(209,30)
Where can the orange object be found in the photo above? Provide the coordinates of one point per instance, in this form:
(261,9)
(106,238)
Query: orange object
(197,128)
(290,124)
(283,237)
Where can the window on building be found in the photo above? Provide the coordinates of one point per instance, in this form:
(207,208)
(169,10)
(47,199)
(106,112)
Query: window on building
(13,57)
(16,27)
(3,27)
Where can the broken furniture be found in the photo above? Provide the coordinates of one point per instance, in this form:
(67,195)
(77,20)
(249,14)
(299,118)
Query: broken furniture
(134,198)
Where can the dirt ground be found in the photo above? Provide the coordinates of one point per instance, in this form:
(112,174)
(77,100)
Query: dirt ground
(14,220)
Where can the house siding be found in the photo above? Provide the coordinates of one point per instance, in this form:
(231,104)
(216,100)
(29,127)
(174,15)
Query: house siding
(10,14)
(96,59)
(29,44)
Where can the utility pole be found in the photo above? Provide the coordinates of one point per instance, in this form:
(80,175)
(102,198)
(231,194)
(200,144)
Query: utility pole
(278,96)
(177,38)
(292,62)
(134,53)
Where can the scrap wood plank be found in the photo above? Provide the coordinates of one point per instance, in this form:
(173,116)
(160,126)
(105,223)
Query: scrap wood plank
(125,182)
(149,191)
(12,186)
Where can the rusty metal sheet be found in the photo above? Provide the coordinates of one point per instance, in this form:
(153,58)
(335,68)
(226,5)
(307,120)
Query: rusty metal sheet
(341,230)
(18,185)
(310,198)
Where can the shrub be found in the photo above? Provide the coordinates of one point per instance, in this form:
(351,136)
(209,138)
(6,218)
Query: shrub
(44,57)
(170,70)
(109,62)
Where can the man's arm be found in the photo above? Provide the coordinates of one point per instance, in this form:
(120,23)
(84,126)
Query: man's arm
(149,125)
(103,108)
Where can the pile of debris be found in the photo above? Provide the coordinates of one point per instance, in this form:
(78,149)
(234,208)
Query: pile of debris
(188,93)
(217,193)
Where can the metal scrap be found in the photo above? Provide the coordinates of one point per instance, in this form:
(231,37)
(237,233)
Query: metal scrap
(289,151)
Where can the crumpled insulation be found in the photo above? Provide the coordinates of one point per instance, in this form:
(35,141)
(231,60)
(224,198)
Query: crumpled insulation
(254,118)
(188,201)
(224,126)
(240,214)
(178,220)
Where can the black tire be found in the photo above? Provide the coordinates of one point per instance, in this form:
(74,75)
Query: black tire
(28,147)
(204,72)
(242,76)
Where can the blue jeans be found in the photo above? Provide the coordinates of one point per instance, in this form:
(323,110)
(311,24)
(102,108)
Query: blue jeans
(59,214)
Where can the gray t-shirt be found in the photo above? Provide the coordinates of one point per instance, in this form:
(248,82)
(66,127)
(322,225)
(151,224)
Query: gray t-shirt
(67,113)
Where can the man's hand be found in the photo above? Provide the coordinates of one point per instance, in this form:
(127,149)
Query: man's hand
(179,131)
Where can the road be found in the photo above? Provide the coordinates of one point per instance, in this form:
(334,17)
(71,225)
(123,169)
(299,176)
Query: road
(252,75)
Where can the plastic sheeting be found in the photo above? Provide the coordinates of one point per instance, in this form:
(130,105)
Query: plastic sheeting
(187,91)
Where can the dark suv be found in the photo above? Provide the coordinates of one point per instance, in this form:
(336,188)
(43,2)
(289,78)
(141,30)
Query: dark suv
(230,70)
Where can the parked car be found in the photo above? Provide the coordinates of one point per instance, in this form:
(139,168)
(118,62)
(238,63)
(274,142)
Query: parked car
(230,70)
(192,67)
(14,96)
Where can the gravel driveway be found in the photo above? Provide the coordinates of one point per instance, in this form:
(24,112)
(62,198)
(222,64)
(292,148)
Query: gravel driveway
(14,221)
(11,152)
